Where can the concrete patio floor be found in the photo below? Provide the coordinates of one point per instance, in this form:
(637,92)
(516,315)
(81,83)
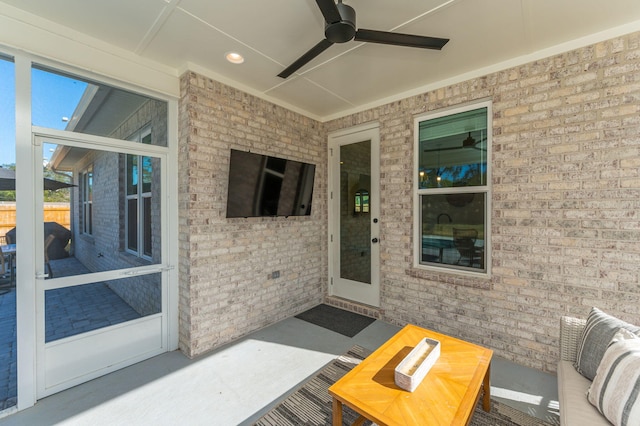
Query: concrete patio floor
(226,387)
(237,383)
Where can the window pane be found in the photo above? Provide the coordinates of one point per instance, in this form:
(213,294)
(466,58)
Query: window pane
(73,310)
(85,106)
(132,224)
(453,150)
(453,229)
(85,217)
(147,174)
(8,349)
(119,226)
(86,190)
(355,229)
(147,226)
(132,174)
(55,98)
(90,219)
(90,184)
(146,139)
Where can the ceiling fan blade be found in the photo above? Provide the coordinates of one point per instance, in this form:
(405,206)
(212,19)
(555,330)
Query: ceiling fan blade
(329,11)
(302,60)
(398,39)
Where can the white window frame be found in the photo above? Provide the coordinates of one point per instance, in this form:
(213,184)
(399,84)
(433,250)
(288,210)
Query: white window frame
(418,192)
(140,197)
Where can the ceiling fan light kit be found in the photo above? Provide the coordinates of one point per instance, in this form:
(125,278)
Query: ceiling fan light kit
(340,27)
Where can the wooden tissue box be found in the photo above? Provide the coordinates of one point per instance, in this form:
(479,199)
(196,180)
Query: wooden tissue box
(412,369)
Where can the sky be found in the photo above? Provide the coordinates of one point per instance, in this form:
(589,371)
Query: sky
(53,97)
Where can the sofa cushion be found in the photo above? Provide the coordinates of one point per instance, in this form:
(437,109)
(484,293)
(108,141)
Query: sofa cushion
(615,390)
(575,408)
(596,336)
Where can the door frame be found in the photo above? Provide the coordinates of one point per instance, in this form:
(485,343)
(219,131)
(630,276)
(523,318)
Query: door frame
(25,181)
(131,341)
(368,294)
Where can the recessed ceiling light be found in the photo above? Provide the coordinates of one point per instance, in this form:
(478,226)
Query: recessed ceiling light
(234,58)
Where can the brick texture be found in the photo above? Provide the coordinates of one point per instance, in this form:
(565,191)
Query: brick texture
(566,196)
(226,289)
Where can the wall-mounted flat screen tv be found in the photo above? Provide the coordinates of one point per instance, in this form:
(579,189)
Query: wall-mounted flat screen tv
(260,185)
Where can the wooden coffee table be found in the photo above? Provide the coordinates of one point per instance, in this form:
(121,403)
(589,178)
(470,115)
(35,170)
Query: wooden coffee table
(446,396)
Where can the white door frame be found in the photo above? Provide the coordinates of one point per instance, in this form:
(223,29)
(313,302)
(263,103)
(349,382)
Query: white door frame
(368,294)
(73,360)
(25,203)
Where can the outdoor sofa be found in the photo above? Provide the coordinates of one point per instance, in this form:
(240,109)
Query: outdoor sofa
(580,358)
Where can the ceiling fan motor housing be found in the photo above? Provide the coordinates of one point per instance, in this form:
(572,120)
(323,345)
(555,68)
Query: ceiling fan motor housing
(345,30)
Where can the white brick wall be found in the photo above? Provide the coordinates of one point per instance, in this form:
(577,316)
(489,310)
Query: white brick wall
(566,197)
(225,289)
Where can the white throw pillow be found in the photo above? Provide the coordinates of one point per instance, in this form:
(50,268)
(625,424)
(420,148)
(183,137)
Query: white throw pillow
(615,390)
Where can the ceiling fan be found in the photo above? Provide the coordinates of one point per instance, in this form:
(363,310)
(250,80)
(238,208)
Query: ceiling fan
(340,27)
(470,142)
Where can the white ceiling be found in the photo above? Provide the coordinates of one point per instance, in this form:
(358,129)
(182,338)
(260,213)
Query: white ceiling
(196,34)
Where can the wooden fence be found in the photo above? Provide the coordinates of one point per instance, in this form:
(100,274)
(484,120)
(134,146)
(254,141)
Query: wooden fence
(53,212)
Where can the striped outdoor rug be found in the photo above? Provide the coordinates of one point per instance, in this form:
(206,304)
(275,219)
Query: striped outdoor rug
(310,404)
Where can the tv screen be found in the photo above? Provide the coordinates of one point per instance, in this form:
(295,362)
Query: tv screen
(260,185)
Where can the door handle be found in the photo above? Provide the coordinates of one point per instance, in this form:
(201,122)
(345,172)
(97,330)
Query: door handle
(375,240)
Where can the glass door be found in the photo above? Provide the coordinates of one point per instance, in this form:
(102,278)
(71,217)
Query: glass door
(101,283)
(354,238)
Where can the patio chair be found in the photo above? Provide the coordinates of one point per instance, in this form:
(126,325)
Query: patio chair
(464,240)
(47,243)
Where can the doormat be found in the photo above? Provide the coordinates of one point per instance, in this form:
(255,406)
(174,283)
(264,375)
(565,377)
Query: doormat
(344,322)
(310,404)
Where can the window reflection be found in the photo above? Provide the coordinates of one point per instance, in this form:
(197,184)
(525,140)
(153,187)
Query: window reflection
(361,201)
(453,150)
(452,184)
(355,224)
(453,231)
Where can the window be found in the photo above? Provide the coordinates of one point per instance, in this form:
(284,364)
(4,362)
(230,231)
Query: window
(86,198)
(361,201)
(139,174)
(452,199)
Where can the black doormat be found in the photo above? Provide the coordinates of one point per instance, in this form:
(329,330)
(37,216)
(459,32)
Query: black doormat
(344,322)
